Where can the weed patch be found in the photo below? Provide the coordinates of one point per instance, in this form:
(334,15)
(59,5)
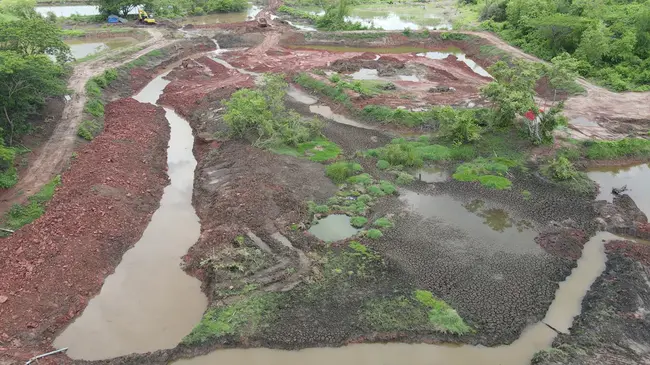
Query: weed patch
(342,170)
(318,150)
(624,148)
(242,318)
(489,172)
(336,93)
(358,222)
(383,223)
(417,312)
(20,215)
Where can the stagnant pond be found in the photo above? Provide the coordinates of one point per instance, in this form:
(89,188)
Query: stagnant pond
(149,303)
(80,48)
(334,227)
(635,177)
(535,338)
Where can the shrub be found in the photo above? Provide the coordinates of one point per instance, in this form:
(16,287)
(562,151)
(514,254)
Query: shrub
(383,164)
(262,116)
(383,223)
(340,171)
(404,178)
(358,222)
(562,169)
(387,187)
(363,179)
(374,234)
(94,107)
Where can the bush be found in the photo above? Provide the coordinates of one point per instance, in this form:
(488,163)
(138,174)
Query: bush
(387,187)
(383,164)
(494,10)
(383,223)
(358,222)
(94,107)
(340,171)
(374,234)
(262,116)
(562,169)
(610,150)
(404,178)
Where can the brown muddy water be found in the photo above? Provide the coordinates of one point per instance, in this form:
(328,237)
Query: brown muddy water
(490,225)
(80,48)
(636,177)
(149,303)
(535,338)
(334,227)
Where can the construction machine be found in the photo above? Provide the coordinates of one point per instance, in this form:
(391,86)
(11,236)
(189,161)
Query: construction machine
(144,18)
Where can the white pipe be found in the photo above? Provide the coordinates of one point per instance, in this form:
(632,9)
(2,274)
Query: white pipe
(43,355)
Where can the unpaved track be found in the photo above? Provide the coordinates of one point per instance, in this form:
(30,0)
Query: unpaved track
(599,103)
(57,150)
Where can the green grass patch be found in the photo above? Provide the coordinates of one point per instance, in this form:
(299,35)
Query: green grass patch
(88,129)
(623,148)
(404,178)
(20,215)
(358,222)
(336,93)
(246,317)
(342,170)
(441,315)
(374,234)
(489,172)
(417,312)
(383,223)
(319,150)
(401,152)
(562,171)
(8,177)
(298,13)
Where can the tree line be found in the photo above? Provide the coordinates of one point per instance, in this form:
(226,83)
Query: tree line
(609,39)
(32,56)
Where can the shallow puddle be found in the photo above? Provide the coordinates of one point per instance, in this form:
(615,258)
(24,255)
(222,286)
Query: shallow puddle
(138,308)
(300,96)
(461,57)
(237,17)
(326,112)
(535,338)
(493,227)
(431,174)
(334,227)
(80,48)
(365,74)
(635,177)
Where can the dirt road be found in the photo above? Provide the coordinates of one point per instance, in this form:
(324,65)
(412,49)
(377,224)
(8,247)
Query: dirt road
(56,151)
(599,104)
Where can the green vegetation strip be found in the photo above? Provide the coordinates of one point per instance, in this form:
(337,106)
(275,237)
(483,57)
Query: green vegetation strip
(20,215)
(419,311)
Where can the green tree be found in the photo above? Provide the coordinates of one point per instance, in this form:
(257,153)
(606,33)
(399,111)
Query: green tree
(19,8)
(25,82)
(33,36)
(594,43)
(513,90)
(119,7)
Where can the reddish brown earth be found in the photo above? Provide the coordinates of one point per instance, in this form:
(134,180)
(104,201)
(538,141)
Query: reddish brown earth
(52,267)
(637,251)
(200,77)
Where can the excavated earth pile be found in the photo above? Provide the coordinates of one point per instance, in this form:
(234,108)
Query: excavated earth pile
(52,267)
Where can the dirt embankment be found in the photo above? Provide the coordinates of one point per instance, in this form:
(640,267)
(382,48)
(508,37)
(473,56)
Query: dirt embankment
(52,267)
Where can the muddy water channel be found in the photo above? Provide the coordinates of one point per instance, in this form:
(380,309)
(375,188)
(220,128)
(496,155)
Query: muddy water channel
(138,308)
(635,177)
(536,337)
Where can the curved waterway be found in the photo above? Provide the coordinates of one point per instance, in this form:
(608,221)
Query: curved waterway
(537,337)
(149,303)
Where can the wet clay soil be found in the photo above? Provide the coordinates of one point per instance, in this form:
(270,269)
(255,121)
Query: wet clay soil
(52,267)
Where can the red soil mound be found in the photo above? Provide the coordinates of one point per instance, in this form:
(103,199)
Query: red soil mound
(52,267)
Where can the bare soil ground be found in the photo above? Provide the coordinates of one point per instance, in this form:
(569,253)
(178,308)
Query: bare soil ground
(52,267)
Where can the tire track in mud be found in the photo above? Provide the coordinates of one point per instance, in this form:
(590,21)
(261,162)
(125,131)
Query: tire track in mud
(59,147)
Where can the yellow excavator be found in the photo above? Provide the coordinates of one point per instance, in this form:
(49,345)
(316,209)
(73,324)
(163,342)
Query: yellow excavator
(144,18)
